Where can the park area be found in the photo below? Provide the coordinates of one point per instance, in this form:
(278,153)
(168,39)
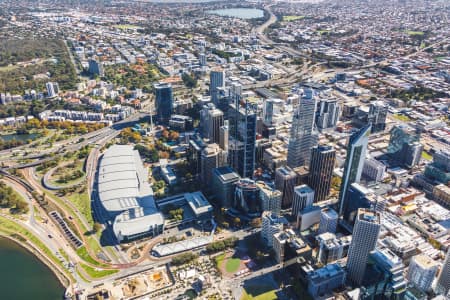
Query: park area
(259,289)
(229,264)
(292,18)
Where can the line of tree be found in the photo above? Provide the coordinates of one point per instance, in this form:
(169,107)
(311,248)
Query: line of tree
(218,246)
(184,258)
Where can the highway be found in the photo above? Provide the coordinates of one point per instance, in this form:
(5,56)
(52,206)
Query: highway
(70,145)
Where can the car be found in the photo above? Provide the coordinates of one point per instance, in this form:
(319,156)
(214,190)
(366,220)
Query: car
(50,236)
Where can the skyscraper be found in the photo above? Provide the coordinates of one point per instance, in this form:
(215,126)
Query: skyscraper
(364,240)
(271,224)
(327,114)
(242,137)
(224,136)
(272,107)
(212,157)
(404,145)
(303,198)
(328,221)
(321,171)
(373,169)
(96,67)
(163,101)
(285,181)
(202,59)
(377,116)
(443,284)
(354,162)
(421,272)
(211,120)
(303,135)
(223,184)
(439,169)
(413,154)
(52,89)
(246,198)
(217,80)
(270,198)
(357,197)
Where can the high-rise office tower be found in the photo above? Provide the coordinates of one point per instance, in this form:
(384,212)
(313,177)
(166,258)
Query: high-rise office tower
(421,272)
(443,283)
(270,198)
(246,198)
(321,171)
(327,114)
(377,116)
(271,224)
(303,135)
(272,107)
(224,136)
(354,162)
(404,145)
(439,169)
(328,220)
(211,119)
(212,157)
(96,67)
(386,276)
(217,80)
(364,240)
(163,101)
(223,184)
(331,248)
(357,197)
(285,181)
(202,59)
(413,154)
(52,89)
(373,169)
(303,198)
(242,137)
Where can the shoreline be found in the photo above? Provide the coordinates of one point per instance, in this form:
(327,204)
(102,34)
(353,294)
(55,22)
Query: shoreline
(62,278)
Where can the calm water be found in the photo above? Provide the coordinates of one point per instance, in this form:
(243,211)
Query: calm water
(242,13)
(24,277)
(18,137)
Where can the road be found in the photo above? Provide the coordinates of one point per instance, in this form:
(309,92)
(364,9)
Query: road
(70,145)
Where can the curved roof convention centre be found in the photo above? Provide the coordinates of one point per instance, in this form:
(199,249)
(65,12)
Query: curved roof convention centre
(122,180)
(125,193)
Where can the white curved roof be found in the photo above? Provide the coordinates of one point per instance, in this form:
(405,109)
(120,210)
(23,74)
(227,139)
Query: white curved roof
(122,180)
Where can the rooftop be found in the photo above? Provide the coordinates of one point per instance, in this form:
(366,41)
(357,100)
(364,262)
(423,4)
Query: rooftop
(122,180)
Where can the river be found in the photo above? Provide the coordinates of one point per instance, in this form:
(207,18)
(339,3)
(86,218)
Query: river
(23,276)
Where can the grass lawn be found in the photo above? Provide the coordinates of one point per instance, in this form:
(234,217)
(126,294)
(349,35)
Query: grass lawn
(322,32)
(125,26)
(401,117)
(259,292)
(97,273)
(83,203)
(411,32)
(62,171)
(84,255)
(426,156)
(67,209)
(232,265)
(292,18)
(219,259)
(8,68)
